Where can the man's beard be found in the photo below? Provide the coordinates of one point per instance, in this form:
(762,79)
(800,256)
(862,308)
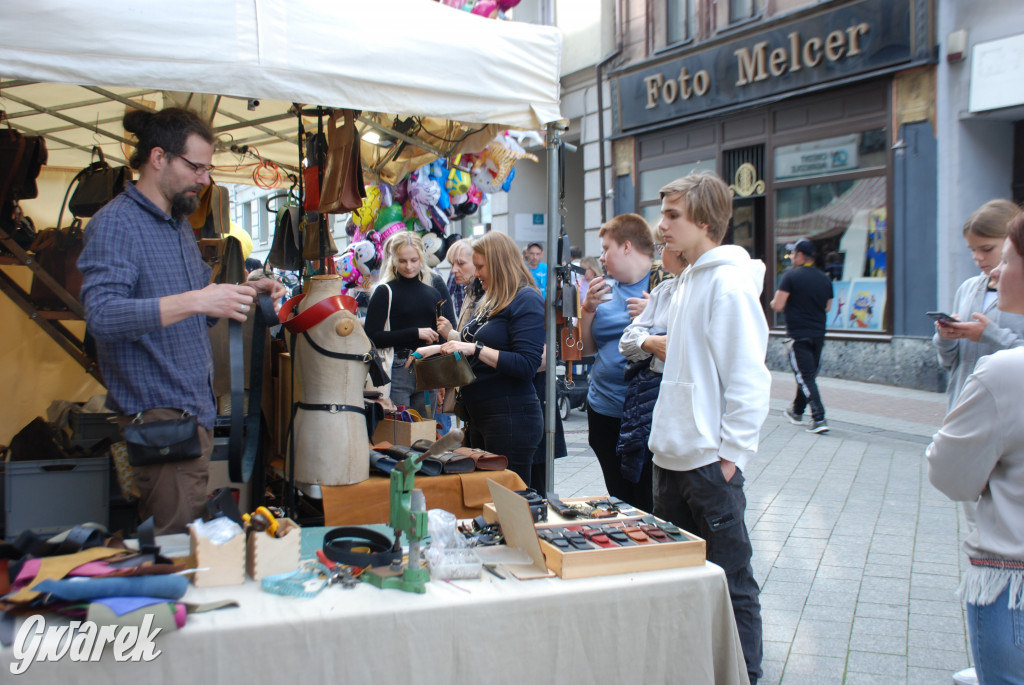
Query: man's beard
(184,204)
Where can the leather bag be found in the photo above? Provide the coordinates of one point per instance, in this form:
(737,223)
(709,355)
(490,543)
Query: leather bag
(317,241)
(21,158)
(57,251)
(98,184)
(316,157)
(286,250)
(160,442)
(343,189)
(212,218)
(485,461)
(442,371)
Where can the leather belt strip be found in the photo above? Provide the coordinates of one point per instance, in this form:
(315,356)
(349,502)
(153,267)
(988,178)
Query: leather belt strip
(362,547)
(244,441)
(332,408)
(310,317)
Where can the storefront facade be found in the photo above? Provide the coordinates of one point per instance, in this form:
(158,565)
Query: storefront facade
(821,118)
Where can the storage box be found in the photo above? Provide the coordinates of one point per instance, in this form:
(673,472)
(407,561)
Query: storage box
(221,564)
(49,496)
(584,563)
(404,432)
(90,427)
(266,555)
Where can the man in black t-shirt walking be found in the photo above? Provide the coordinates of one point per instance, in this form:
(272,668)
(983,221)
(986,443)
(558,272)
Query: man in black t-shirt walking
(805,294)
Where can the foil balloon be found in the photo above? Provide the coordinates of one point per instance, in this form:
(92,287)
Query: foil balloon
(387,216)
(366,214)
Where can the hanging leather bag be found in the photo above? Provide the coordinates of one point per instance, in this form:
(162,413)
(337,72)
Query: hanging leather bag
(343,189)
(286,250)
(21,158)
(98,184)
(212,218)
(317,241)
(316,158)
(57,251)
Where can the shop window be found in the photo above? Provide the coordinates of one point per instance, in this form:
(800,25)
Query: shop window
(840,154)
(741,10)
(847,221)
(677,20)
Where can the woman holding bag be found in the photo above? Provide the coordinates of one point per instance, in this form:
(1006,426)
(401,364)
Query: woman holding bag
(504,342)
(402,313)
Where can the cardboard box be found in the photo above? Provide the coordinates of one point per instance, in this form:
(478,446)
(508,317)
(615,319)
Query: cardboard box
(584,563)
(222,564)
(404,432)
(268,556)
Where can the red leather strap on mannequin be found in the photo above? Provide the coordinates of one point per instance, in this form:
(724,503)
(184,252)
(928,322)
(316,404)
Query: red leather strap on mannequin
(318,312)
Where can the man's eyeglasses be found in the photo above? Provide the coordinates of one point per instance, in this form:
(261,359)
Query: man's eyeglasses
(197,168)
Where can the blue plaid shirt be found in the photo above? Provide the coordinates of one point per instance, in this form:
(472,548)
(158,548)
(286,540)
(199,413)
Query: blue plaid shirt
(135,254)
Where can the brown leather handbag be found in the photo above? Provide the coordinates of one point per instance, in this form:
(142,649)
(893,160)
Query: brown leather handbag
(343,189)
(442,371)
(485,461)
(57,251)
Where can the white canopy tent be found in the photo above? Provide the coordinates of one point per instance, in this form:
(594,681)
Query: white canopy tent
(393,59)
(68,70)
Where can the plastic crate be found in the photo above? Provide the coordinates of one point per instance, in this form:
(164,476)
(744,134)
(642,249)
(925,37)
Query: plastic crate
(51,496)
(87,426)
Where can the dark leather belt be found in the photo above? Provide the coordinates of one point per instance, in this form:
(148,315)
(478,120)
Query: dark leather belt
(332,408)
(360,546)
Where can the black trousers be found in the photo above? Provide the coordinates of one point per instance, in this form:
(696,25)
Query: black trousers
(804,356)
(702,502)
(603,438)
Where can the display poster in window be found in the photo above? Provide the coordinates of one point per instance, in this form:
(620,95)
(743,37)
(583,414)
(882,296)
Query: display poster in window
(839,310)
(876,243)
(866,304)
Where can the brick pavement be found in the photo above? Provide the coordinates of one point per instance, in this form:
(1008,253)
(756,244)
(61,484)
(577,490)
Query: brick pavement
(857,555)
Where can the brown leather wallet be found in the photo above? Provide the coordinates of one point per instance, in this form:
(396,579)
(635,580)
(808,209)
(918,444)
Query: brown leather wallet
(637,535)
(485,461)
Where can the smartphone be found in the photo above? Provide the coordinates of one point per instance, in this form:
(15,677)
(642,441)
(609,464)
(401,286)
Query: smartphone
(941,317)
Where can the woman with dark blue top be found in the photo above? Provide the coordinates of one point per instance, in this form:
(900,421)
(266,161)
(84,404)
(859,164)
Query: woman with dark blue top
(627,244)
(504,342)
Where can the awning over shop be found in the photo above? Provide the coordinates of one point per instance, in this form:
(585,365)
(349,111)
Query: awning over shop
(835,217)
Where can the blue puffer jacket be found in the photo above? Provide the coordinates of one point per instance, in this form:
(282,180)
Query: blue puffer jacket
(641,395)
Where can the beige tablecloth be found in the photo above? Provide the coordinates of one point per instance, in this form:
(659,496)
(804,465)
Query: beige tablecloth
(673,626)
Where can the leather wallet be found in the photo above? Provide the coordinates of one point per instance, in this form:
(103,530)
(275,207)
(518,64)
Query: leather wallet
(382,462)
(485,461)
(599,538)
(456,463)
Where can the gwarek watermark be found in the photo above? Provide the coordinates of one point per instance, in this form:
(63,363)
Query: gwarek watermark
(82,641)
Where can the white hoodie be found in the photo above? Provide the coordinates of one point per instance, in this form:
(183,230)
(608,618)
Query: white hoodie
(716,388)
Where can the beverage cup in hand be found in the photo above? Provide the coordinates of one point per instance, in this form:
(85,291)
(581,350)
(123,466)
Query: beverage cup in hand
(607,295)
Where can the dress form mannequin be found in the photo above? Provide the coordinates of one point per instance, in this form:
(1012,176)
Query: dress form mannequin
(331,447)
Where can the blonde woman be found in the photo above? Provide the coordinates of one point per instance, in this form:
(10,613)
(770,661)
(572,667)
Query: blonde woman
(504,341)
(402,312)
(460,256)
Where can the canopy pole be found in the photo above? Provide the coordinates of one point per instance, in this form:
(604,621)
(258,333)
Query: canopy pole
(554,136)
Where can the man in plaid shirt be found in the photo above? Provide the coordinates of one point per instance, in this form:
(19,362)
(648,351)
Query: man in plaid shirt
(148,302)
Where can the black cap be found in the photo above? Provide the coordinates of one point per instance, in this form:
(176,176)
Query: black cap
(804,245)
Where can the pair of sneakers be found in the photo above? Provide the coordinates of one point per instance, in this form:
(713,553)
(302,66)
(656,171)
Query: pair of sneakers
(798,420)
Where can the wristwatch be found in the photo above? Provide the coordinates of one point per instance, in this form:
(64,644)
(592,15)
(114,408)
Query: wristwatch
(479,348)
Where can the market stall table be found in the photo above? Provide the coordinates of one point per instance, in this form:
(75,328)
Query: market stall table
(669,626)
(463,494)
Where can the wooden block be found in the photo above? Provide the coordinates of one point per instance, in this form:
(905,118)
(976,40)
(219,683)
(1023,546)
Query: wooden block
(268,556)
(222,564)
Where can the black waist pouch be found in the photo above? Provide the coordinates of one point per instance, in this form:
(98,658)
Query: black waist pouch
(159,442)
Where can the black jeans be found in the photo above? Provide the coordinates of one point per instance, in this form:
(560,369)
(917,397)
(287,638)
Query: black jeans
(603,438)
(803,358)
(512,426)
(702,502)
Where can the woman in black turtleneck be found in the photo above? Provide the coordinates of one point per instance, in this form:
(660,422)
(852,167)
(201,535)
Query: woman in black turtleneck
(406,283)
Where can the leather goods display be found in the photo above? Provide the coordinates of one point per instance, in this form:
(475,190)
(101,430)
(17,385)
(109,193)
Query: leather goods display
(97,184)
(317,241)
(57,251)
(429,466)
(484,460)
(316,157)
(286,250)
(384,463)
(442,371)
(453,463)
(343,189)
(21,158)
(362,547)
(159,442)
(212,217)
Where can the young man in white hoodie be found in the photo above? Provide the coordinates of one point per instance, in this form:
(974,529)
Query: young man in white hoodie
(715,390)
